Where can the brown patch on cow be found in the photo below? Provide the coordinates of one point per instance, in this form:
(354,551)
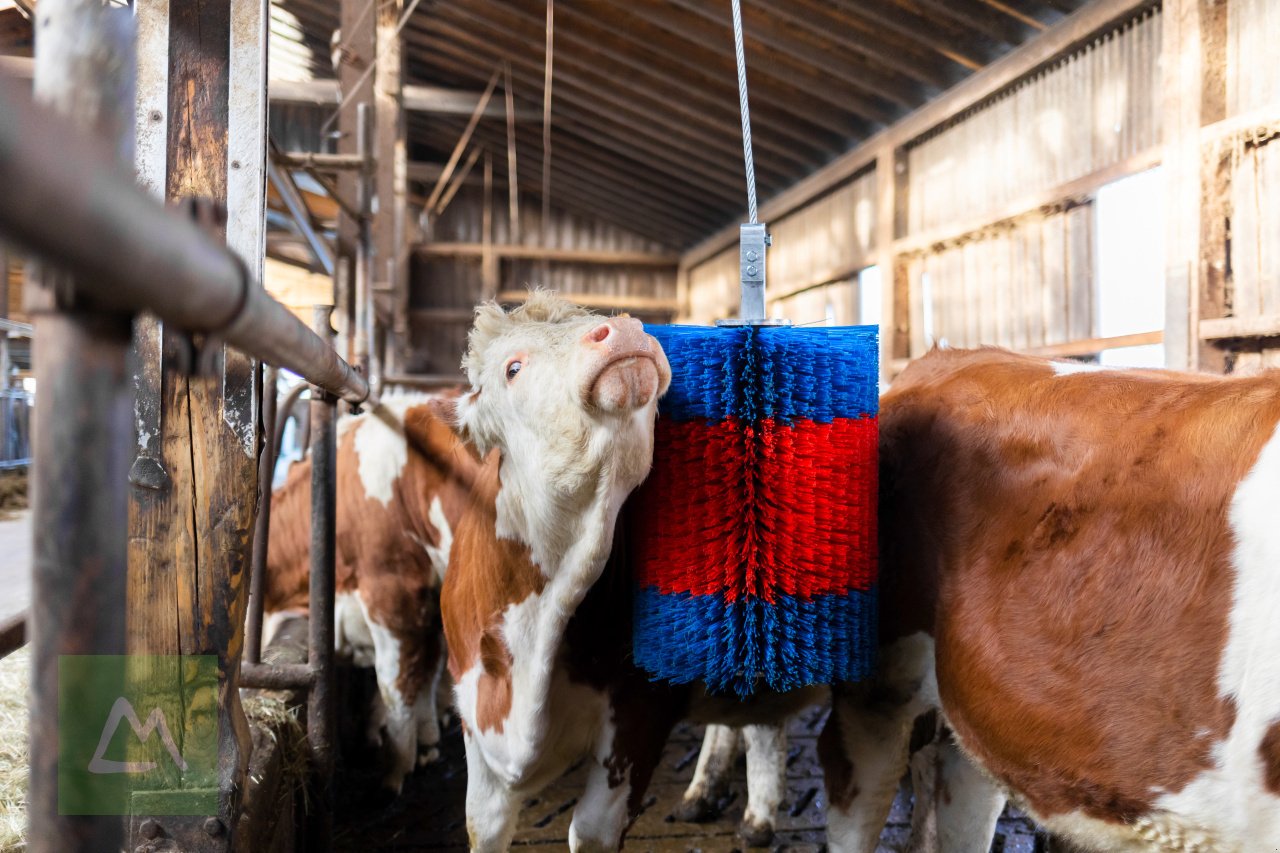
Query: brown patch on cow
(1269,750)
(487,574)
(1066,541)
(837,766)
(379,548)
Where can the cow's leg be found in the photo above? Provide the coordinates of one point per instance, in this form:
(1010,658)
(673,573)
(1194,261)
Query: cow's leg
(634,731)
(428,715)
(864,745)
(710,782)
(492,807)
(967,802)
(399,718)
(766,781)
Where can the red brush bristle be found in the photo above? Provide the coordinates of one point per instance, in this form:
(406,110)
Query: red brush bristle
(762,510)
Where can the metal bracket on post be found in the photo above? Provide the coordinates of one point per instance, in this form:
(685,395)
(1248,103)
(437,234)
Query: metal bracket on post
(753,246)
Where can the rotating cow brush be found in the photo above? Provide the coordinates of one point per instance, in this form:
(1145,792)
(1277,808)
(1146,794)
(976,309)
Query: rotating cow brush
(753,540)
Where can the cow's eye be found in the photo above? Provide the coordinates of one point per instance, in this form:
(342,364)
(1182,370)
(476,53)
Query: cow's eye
(512,369)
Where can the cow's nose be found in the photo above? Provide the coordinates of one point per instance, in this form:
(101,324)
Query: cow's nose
(618,334)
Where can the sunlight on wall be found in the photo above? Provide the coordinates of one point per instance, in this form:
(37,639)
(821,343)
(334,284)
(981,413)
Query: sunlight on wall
(1130,263)
(869,296)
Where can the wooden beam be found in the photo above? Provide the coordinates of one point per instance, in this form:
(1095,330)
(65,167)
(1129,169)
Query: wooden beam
(699,175)
(1092,346)
(418,97)
(544,253)
(593,88)
(1257,124)
(679,48)
(1086,186)
(864,76)
(202,133)
(609,301)
(851,35)
(920,29)
(1013,66)
(1226,328)
(590,174)
(391,181)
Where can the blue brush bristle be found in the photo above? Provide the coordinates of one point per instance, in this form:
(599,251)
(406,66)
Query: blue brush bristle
(789,644)
(817,374)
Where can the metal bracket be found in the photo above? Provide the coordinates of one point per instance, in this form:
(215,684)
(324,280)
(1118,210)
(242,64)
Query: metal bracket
(753,243)
(177,834)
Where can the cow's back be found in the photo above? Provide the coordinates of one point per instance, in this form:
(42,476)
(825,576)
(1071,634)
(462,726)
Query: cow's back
(1070,541)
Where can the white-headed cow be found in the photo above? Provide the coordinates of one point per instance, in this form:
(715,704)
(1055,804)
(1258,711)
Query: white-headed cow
(537,615)
(1081,569)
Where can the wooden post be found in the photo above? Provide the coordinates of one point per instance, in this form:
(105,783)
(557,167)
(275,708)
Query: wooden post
(391,267)
(85,72)
(895,307)
(1182,120)
(194,481)
(488,260)
(355,87)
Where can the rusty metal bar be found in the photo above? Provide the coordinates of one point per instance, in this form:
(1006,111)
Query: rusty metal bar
(65,200)
(13,634)
(262,528)
(293,200)
(320,700)
(277,676)
(84,416)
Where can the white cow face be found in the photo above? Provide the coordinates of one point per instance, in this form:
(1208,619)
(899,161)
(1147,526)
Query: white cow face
(565,394)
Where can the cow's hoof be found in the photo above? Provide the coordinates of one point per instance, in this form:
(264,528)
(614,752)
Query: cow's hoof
(757,833)
(696,810)
(430,755)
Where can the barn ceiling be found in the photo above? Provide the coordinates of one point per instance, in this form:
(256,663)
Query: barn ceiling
(645,130)
(645,127)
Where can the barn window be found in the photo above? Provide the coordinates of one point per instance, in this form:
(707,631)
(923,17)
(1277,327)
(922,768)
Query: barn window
(1130,265)
(869,296)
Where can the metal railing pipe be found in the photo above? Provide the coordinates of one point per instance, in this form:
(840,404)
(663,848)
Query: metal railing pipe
(66,201)
(84,437)
(262,529)
(321,708)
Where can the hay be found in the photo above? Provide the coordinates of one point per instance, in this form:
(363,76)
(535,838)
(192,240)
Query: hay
(13,750)
(281,722)
(13,492)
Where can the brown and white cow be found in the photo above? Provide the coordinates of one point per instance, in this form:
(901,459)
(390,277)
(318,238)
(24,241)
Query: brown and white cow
(1081,569)
(403,479)
(537,617)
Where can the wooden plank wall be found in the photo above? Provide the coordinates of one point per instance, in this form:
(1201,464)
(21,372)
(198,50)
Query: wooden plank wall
(816,249)
(443,290)
(1242,174)
(1253,75)
(1025,284)
(1092,109)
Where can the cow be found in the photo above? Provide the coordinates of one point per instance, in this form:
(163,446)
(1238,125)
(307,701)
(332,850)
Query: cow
(403,480)
(537,613)
(1081,571)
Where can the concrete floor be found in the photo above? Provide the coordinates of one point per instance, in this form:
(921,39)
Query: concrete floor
(429,815)
(15,562)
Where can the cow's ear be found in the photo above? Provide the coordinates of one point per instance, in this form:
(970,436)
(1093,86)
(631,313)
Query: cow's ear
(446,409)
